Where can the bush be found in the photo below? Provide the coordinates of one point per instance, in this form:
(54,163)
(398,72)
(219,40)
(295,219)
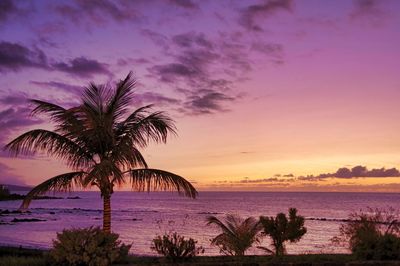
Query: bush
(87,246)
(372,235)
(175,247)
(282,229)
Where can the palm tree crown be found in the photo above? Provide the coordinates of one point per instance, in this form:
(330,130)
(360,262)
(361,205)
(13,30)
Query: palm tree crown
(100,140)
(237,235)
(282,229)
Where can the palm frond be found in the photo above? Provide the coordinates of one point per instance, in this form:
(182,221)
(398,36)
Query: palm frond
(93,98)
(220,224)
(122,97)
(237,234)
(142,128)
(63,182)
(159,180)
(65,119)
(127,156)
(104,174)
(53,144)
(42,107)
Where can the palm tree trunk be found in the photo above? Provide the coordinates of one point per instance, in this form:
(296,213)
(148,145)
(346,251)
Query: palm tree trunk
(107,213)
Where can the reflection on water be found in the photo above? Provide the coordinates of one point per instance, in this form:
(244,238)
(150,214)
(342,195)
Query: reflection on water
(139,217)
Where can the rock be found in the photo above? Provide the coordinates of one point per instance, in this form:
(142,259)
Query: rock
(15,220)
(76,197)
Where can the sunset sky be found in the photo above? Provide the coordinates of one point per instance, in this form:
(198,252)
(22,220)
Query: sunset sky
(267,95)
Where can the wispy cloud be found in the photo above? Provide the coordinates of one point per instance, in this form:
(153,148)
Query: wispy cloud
(188,4)
(155,98)
(82,67)
(264,180)
(342,173)
(98,12)
(250,15)
(6,177)
(207,102)
(355,172)
(15,118)
(369,11)
(65,87)
(206,66)
(7,8)
(14,57)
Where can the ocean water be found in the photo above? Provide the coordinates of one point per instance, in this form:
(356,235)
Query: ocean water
(139,217)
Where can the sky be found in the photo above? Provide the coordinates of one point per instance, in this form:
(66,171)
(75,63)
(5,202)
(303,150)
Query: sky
(267,95)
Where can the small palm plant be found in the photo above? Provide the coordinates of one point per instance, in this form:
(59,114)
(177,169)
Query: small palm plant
(237,235)
(281,229)
(100,140)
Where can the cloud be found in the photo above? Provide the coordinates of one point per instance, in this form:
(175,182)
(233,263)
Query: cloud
(16,117)
(196,63)
(15,99)
(13,119)
(188,4)
(14,57)
(155,98)
(264,180)
(355,172)
(342,173)
(250,14)
(368,10)
(8,178)
(157,38)
(68,88)
(82,67)
(209,66)
(206,102)
(189,39)
(272,50)
(7,8)
(169,72)
(134,61)
(98,12)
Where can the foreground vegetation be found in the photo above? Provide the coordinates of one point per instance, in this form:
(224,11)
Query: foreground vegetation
(18,256)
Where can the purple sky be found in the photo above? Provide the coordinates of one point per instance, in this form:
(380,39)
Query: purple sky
(257,88)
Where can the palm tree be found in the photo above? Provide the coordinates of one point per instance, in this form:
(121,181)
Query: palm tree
(100,141)
(237,235)
(281,229)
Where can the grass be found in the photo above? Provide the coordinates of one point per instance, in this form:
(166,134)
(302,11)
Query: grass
(317,259)
(11,256)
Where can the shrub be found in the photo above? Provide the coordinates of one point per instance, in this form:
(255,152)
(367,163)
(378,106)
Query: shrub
(237,235)
(281,229)
(372,235)
(175,247)
(87,246)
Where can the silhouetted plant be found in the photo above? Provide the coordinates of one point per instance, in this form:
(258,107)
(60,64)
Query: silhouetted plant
(237,235)
(100,140)
(176,247)
(87,246)
(281,229)
(4,191)
(374,234)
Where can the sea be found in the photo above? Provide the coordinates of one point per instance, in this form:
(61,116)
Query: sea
(140,217)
